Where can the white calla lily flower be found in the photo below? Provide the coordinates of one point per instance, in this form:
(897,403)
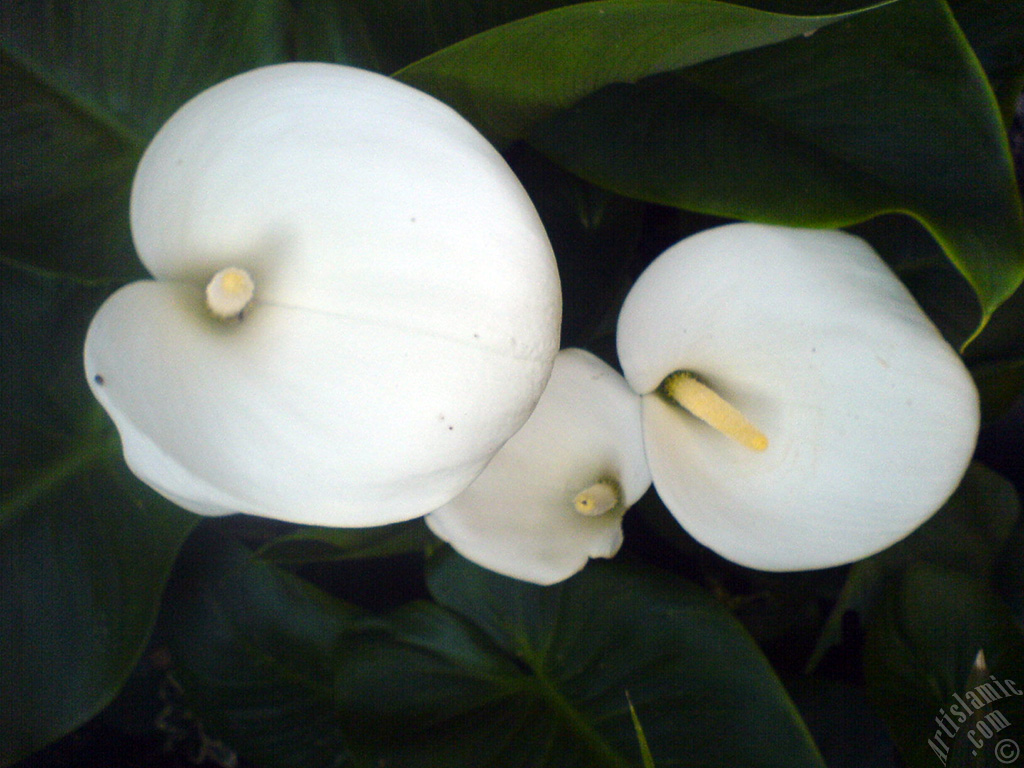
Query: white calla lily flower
(355,303)
(831,417)
(555,494)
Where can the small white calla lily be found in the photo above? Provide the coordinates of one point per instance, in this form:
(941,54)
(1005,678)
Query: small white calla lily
(555,494)
(847,422)
(355,303)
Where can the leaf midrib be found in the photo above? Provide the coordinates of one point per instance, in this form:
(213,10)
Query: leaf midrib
(540,684)
(87,107)
(85,454)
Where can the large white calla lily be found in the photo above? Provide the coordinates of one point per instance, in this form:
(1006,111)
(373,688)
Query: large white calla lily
(555,494)
(354,306)
(841,418)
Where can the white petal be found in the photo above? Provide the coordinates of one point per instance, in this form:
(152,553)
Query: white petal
(517,518)
(345,191)
(871,417)
(297,415)
(406,309)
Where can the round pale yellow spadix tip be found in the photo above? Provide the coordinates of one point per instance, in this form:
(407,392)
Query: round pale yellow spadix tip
(229,293)
(707,405)
(601,497)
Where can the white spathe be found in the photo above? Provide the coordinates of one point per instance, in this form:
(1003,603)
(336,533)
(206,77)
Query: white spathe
(518,517)
(405,302)
(871,417)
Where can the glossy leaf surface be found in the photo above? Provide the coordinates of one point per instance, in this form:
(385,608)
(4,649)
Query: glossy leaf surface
(84,548)
(522,675)
(508,78)
(922,666)
(85,87)
(496,673)
(252,647)
(885,111)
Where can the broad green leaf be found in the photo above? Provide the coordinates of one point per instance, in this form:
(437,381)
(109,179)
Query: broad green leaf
(85,86)
(996,359)
(967,535)
(84,548)
(1000,384)
(1008,579)
(500,673)
(848,731)
(995,30)
(252,648)
(82,573)
(508,78)
(520,675)
(334,31)
(922,666)
(386,35)
(315,544)
(885,111)
(52,427)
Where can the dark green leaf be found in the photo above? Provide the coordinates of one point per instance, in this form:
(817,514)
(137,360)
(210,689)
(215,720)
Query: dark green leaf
(996,359)
(252,647)
(84,548)
(921,663)
(386,35)
(82,575)
(886,111)
(64,195)
(967,535)
(52,427)
(508,78)
(313,544)
(85,86)
(1008,579)
(848,731)
(995,30)
(504,673)
(1000,384)
(335,31)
